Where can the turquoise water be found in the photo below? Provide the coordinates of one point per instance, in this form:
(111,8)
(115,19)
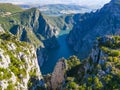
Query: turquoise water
(56,54)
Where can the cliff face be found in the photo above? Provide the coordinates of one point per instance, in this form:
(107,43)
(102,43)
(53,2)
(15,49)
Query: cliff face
(91,25)
(58,75)
(57,80)
(19,67)
(32,27)
(1,29)
(99,71)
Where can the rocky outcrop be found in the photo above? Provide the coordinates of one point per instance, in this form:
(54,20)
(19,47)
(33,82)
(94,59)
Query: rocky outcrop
(58,75)
(19,67)
(99,71)
(33,27)
(1,29)
(57,79)
(41,55)
(105,50)
(51,43)
(91,25)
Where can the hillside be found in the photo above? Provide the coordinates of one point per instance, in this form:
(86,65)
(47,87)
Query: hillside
(64,22)
(32,26)
(91,25)
(28,21)
(59,9)
(18,64)
(9,8)
(100,71)
(37,26)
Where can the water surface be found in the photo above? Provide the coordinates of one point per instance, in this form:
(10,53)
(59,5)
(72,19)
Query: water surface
(55,54)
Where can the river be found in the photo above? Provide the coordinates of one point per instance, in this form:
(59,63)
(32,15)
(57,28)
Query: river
(55,54)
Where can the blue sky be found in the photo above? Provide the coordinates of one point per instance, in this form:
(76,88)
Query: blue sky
(90,3)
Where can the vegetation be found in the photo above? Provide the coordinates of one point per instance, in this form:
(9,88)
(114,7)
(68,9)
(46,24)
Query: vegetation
(10,87)
(112,42)
(9,8)
(91,75)
(4,74)
(60,21)
(8,39)
(72,62)
(13,18)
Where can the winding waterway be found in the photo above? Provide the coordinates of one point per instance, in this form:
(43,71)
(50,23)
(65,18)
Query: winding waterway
(55,54)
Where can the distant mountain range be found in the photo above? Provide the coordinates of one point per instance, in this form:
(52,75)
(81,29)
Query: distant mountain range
(60,9)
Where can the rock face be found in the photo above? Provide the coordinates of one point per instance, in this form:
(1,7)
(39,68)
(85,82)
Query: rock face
(58,75)
(99,71)
(33,27)
(1,29)
(19,67)
(57,79)
(41,55)
(91,25)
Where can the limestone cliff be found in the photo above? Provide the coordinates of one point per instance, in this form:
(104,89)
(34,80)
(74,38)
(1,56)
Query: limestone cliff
(19,67)
(58,75)
(100,70)
(32,27)
(1,29)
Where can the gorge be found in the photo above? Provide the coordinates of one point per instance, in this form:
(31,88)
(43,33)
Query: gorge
(63,51)
(66,52)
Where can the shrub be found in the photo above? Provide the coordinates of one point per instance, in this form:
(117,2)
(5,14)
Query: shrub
(71,85)
(6,74)
(10,87)
(72,62)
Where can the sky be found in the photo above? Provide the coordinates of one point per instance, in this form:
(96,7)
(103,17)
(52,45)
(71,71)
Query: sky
(83,2)
(97,3)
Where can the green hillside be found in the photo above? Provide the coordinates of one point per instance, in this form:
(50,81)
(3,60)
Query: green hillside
(7,7)
(60,21)
(101,71)
(33,22)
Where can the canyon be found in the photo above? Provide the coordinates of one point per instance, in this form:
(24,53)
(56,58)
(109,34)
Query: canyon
(74,51)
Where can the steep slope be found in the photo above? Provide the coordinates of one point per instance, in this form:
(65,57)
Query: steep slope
(18,65)
(30,26)
(63,22)
(100,71)
(91,25)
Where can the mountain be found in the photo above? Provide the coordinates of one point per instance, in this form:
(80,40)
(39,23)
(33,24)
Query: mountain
(22,23)
(92,25)
(28,25)
(59,9)
(32,26)
(19,67)
(100,71)
(9,8)
(35,26)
